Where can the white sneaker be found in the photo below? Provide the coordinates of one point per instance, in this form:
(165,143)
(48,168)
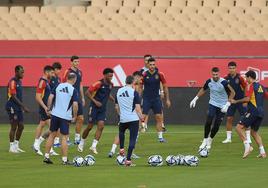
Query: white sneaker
(20,150)
(247,152)
(13,149)
(94,150)
(209,142)
(203,145)
(52,152)
(80,148)
(226,141)
(37,150)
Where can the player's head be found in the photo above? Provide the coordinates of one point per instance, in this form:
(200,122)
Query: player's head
(75,61)
(57,68)
(129,80)
(48,71)
(232,68)
(251,76)
(137,76)
(215,71)
(19,71)
(151,64)
(108,74)
(146,57)
(71,78)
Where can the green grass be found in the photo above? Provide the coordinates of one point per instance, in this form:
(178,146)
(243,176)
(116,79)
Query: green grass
(223,168)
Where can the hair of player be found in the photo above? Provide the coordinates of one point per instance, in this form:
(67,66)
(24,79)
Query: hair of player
(57,65)
(251,74)
(74,57)
(232,64)
(48,68)
(151,59)
(137,73)
(107,71)
(71,76)
(215,69)
(129,79)
(18,68)
(147,55)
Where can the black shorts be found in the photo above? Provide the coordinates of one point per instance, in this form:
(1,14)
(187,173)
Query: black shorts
(95,115)
(59,123)
(14,115)
(154,104)
(251,120)
(80,108)
(43,115)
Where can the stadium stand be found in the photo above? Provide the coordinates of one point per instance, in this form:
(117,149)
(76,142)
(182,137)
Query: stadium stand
(138,20)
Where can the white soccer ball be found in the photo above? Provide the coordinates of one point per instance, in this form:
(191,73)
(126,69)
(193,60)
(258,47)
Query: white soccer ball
(171,160)
(180,159)
(89,160)
(78,161)
(121,160)
(191,160)
(204,152)
(155,160)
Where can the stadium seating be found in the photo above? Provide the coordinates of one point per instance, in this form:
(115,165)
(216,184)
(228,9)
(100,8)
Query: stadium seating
(139,20)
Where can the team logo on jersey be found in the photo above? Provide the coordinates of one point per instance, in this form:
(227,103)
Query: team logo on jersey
(260,90)
(156,77)
(147,77)
(237,81)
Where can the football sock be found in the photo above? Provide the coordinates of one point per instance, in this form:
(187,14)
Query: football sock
(46,155)
(56,140)
(41,139)
(77,136)
(82,141)
(262,151)
(247,145)
(229,135)
(248,135)
(94,143)
(114,146)
(64,159)
(160,134)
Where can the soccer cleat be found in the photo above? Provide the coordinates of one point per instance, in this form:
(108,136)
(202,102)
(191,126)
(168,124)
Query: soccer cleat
(52,152)
(47,161)
(162,140)
(209,143)
(226,141)
(110,154)
(37,150)
(247,152)
(203,145)
(80,148)
(67,163)
(129,164)
(58,145)
(134,156)
(20,150)
(76,142)
(94,150)
(262,155)
(13,150)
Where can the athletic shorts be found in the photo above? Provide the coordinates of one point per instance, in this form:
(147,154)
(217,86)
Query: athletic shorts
(232,109)
(154,104)
(80,108)
(14,115)
(59,123)
(251,120)
(95,115)
(43,115)
(215,111)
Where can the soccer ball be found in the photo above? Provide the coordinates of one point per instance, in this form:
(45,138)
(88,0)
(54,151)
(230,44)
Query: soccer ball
(155,160)
(204,152)
(89,160)
(171,160)
(121,160)
(180,159)
(78,161)
(191,160)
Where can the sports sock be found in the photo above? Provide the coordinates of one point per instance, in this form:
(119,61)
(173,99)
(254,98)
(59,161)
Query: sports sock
(114,146)
(160,134)
(16,143)
(11,144)
(248,135)
(94,143)
(41,139)
(64,159)
(262,151)
(77,137)
(46,155)
(246,144)
(229,135)
(56,140)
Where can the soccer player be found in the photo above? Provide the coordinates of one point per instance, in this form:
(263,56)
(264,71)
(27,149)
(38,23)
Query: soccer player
(15,108)
(64,110)
(238,83)
(152,79)
(218,105)
(129,109)
(81,103)
(54,82)
(137,75)
(42,93)
(254,96)
(98,93)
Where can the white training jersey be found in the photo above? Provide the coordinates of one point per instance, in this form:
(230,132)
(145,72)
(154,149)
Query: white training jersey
(127,98)
(64,96)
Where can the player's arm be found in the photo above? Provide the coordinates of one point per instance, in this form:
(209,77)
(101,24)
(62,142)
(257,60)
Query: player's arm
(38,96)
(162,92)
(165,88)
(232,92)
(82,94)
(112,98)
(14,96)
(75,104)
(90,93)
(137,103)
(200,93)
(248,94)
(49,103)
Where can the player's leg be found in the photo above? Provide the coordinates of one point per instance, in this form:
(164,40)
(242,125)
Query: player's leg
(38,138)
(86,131)
(57,140)
(133,131)
(64,130)
(242,109)
(98,133)
(256,136)
(79,124)
(114,146)
(146,106)
(19,131)
(229,123)
(218,119)
(122,130)
(158,111)
(12,132)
